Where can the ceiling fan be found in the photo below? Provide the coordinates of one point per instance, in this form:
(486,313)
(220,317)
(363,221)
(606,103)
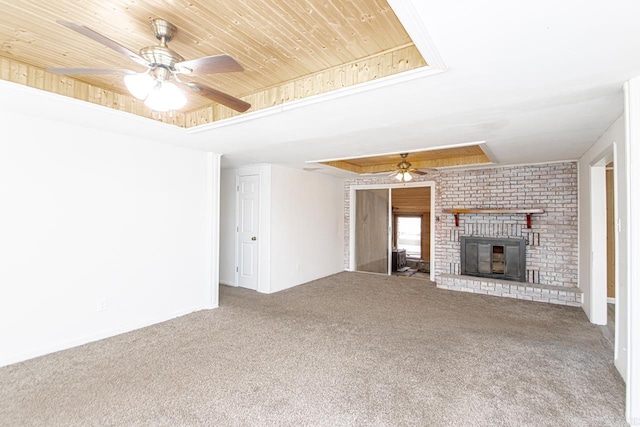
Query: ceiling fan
(404,171)
(154,85)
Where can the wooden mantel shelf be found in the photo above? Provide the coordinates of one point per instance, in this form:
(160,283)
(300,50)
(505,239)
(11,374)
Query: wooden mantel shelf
(493,211)
(527,212)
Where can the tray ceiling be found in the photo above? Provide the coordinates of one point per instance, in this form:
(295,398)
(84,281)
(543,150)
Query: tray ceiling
(436,158)
(290,50)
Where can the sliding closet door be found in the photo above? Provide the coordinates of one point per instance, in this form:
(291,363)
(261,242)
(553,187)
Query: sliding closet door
(372,231)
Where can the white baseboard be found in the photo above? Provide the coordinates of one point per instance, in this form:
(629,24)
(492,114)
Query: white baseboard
(64,345)
(611,300)
(226,282)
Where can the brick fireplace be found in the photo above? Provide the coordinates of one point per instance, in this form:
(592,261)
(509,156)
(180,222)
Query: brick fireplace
(550,238)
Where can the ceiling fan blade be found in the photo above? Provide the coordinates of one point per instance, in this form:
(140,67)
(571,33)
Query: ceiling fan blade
(88,71)
(88,32)
(419,172)
(209,65)
(219,97)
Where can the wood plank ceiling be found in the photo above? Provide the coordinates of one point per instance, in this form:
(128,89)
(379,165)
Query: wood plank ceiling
(290,50)
(446,157)
(412,200)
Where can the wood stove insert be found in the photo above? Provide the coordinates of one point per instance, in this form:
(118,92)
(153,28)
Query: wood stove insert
(496,258)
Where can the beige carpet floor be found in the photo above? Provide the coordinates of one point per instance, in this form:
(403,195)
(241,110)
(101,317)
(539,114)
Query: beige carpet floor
(348,350)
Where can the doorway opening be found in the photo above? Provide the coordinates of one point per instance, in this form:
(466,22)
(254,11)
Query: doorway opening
(411,230)
(604,283)
(611,251)
(392,232)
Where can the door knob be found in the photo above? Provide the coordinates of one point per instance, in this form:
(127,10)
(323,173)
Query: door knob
(253,238)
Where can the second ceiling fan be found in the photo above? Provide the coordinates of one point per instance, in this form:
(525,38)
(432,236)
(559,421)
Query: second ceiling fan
(404,170)
(155,85)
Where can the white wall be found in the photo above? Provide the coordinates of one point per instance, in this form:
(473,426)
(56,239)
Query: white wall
(307,227)
(227,227)
(301,226)
(612,141)
(631,265)
(89,216)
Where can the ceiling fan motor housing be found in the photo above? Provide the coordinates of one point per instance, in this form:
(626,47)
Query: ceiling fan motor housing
(160,56)
(404,165)
(161,59)
(163,29)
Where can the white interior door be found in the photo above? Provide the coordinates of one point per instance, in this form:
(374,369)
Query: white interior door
(248,211)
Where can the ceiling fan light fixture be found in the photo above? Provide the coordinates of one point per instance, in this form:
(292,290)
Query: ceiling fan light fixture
(165,96)
(140,85)
(404,176)
(163,65)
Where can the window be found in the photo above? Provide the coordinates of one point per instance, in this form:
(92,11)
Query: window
(408,235)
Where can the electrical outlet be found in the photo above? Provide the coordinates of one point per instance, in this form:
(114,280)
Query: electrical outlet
(297,267)
(101,304)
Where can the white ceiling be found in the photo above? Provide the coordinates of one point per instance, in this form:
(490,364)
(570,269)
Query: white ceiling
(538,81)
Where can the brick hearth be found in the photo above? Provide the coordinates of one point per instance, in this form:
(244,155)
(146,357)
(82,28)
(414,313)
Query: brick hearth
(562,295)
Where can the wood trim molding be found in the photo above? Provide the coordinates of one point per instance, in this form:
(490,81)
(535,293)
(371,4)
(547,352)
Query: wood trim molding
(493,211)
